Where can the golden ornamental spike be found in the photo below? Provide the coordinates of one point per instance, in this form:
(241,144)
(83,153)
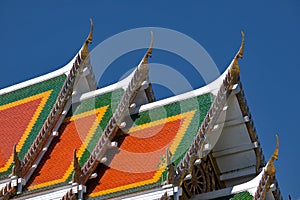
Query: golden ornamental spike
(275,154)
(235,69)
(149,51)
(85,51)
(240,53)
(270,169)
(90,36)
(241,50)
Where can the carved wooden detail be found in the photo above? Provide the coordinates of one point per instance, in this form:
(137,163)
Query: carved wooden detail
(204,179)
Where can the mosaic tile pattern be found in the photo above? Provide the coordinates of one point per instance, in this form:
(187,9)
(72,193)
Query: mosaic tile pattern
(22,114)
(139,162)
(81,128)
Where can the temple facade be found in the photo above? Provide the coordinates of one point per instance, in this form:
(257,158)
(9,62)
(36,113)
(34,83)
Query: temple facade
(62,137)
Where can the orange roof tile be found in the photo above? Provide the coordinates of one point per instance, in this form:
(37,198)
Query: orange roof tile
(139,160)
(76,132)
(16,122)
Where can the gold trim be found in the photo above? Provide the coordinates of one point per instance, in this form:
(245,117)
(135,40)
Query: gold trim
(149,51)
(85,51)
(270,170)
(240,53)
(235,69)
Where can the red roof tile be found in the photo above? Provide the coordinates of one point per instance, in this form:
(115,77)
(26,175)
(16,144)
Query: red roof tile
(16,121)
(76,132)
(139,160)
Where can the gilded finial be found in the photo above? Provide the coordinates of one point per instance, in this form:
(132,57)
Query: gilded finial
(275,154)
(235,69)
(149,51)
(85,51)
(270,166)
(90,36)
(240,52)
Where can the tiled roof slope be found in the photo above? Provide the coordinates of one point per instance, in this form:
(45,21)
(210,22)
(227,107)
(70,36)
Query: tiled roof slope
(37,144)
(22,114)
(82,126)
(139,163)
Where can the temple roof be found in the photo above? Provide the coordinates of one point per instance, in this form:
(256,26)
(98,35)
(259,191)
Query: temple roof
(72,140)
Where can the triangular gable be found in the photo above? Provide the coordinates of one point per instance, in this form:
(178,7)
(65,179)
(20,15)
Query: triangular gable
(23,113)
(80,129)
(139,162)
(16,122)
(58,168)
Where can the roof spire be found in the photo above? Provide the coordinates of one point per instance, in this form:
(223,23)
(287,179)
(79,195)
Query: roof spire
(270,167)
(240,52)
(149,51)
(89,39)
(85,51)
(235,69)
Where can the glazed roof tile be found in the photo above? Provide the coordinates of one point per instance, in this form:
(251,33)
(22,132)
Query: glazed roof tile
(22,114)
(139,162)
(82,125)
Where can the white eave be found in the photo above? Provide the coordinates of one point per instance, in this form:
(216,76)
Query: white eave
(212,88)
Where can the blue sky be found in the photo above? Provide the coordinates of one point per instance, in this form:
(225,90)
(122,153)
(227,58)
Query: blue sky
(39,37)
